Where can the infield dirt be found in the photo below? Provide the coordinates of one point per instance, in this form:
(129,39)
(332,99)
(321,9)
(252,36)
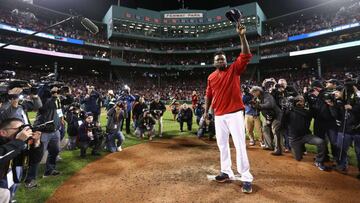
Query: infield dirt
(175,170)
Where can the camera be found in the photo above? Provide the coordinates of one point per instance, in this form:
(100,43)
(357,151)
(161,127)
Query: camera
(46,127)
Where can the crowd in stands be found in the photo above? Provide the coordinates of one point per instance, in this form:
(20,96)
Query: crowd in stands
(308,44)
(64,30)
(346,14)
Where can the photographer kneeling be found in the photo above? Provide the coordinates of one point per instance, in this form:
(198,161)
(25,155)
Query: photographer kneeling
(15,139)
(298,120)
(88,136)
(185,115)
(146,125)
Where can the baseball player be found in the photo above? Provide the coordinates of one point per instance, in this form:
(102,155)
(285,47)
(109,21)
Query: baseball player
(224,93)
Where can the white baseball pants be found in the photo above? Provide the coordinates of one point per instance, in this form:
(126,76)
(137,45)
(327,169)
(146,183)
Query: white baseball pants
(233,123)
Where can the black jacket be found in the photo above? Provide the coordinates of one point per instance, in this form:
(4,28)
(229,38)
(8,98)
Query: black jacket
(298,122)
(352,125)
(48,112)
(157,109)
(185,115)
(268,107)
(146,122)
(138,110)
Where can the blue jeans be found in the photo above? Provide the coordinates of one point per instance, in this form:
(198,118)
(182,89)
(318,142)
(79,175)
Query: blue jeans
(111,138)
(346,140)
(51,142)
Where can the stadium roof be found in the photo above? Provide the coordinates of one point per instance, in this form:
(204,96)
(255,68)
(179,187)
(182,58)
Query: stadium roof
(96,9)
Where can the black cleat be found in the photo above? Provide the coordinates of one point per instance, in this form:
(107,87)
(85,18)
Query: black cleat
(222,178)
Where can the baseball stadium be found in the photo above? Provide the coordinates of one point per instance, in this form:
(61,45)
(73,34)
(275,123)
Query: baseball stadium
(179,101)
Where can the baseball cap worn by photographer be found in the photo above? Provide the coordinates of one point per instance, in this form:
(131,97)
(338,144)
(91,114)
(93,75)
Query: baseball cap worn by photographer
(87,114)
(334,81)
(317,83)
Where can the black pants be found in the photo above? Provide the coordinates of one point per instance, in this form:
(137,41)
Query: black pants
(189,124)
(128,117)
(297,146)
(322,130)
(84,145)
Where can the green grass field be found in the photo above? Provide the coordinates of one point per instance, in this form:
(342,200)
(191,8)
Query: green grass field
(71,162)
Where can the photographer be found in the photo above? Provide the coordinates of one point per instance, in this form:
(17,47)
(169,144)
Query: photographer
(272,113)
(206,126)
(146,125)
(157,110)
(92,102)
(185,115)
(18,107)
(324,123)
(346,110)
(129,99)
(74,121)
(51,111)
(88,136)
(282,93)
(199,112)
(174,106)
(114,118)
(252,117)
(298,120)
(15,146)
(138,110)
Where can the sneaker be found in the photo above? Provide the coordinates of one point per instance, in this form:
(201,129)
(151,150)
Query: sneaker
(247,187)
(222,178)
(160,135)
(119,149)
(321,166)
(150,138)
(262,145)
(341,170)
(305,152)
(287,150)
(252,143)
(31,184)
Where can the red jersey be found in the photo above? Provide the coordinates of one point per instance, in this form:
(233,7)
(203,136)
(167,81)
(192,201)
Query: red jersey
(223,87)
(194,99)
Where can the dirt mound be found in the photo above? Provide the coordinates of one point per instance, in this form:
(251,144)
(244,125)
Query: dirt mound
(176,171)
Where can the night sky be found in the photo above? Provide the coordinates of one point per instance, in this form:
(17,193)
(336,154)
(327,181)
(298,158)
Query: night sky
(96,9)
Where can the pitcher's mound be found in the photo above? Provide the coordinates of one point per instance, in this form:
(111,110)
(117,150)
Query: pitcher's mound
(177,170)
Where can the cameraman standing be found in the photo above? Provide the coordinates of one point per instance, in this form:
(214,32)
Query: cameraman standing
(272,113)
(157,110)
(324,123)
(282,93)
(51,111)
(92,102)
(346,111)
